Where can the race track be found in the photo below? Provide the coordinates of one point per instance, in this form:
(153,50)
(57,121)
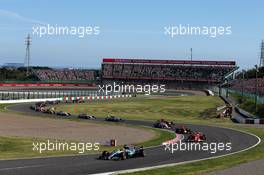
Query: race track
(88,164)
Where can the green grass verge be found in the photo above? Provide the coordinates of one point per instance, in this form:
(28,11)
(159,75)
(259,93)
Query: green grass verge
(181,109)
(2,107)
(22,147)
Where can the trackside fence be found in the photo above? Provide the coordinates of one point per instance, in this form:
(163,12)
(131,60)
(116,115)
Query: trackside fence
(16,95)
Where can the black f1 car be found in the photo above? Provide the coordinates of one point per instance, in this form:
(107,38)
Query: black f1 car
(196,137)
(183,130)
(61,113)
(122,154)
(113,119)
(86,116)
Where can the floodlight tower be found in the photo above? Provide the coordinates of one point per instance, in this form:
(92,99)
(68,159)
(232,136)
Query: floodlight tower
(27,58)
(261,64)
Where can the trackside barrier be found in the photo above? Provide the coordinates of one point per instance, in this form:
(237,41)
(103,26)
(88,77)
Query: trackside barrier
(65,99)
(244,117)
(90,98)
(46,85)
(28,100)
(244,113)
(209,92)
(247,117)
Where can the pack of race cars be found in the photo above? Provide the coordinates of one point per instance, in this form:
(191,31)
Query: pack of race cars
(127,151)
(162,123)
(132,152)
(45,107)
(196,136)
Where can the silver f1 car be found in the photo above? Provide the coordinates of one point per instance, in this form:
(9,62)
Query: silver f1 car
(122,154)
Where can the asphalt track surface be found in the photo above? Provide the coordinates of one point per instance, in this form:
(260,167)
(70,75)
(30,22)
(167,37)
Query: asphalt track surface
(89,164)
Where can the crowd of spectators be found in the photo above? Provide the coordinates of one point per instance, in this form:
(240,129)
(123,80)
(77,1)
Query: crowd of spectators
(173,72)
(246,81)
(64,74)
(248,85)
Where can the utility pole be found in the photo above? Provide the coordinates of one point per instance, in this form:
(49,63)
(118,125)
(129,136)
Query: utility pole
(191,54)
(227,87)
(27,58)
(191,58)
(256,89)
(243,79)
(261,64)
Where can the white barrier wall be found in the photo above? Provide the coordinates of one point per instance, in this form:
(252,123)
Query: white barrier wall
(64,99)
(249,118)
(28,100)
(210,92)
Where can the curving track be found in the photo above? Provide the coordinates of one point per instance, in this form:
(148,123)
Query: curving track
(88,164)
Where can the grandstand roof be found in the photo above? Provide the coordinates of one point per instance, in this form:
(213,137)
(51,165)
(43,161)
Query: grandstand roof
(179,62)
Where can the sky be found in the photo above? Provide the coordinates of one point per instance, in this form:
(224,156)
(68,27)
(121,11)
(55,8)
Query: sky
(130,29)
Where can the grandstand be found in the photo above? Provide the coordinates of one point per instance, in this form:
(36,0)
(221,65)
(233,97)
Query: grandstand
(48,75)
(174,73)
(169,71)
